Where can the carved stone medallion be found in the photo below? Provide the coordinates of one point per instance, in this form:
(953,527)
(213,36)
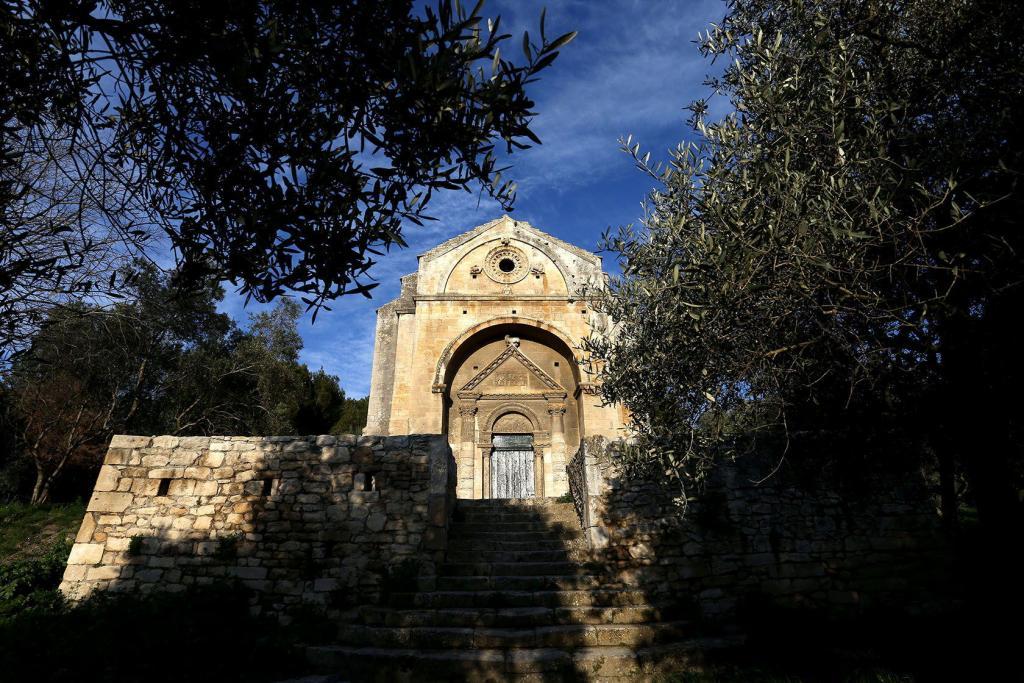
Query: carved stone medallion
(506,264)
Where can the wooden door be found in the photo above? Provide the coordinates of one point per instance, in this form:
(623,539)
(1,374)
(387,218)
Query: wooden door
(512,466)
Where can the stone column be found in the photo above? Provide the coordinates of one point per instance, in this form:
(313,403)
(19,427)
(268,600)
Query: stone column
(557,464)
(538,470)
(557,460)
(485,471)
(467,450)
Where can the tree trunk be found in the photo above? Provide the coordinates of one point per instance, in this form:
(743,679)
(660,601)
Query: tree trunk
(41,488)
(949,505)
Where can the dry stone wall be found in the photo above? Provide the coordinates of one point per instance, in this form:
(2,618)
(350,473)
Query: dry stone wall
(324,520)
(780,542)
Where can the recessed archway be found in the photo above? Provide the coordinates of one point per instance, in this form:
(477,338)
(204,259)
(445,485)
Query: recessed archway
(510,369)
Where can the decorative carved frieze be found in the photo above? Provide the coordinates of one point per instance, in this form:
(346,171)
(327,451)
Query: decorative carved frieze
(513,350)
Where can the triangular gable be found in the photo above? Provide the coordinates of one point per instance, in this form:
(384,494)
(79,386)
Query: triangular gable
(523,226)
(513,353)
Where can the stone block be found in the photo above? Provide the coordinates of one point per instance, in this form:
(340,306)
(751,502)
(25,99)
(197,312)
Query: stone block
(109,502)
(117,456)
(155,460)
(165,442)
(103,573)
(181,487)
(195,442)
(376,521)
(362,455)
(325,585)
(127,441)
(107,479)
(251,573)
(213,459)
(86,529)
(74,572)
(205,488)
(118,543)
(437,510)
(86,553)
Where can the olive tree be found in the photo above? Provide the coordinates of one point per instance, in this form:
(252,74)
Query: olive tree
(277,145)
(836,260)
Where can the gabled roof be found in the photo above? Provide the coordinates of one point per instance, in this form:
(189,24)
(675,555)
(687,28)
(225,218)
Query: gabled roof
(459,240)
(512,351)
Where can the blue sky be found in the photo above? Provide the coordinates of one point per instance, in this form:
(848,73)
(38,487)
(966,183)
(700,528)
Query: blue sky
(631,70)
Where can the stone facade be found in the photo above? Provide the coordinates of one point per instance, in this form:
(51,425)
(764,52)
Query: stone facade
(321,520)
(781,542)
(484,340)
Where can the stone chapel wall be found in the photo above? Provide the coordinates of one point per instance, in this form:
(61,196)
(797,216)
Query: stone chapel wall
(319,520)
(777,543)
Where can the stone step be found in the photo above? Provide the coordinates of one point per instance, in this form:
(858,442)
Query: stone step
(465,528)
(512,617)
(539,664)
(519,583)
(489,534)
(560,636)
(508,556)
(564,568)
(509,503)
(522,598)
(475,544)
(538,515)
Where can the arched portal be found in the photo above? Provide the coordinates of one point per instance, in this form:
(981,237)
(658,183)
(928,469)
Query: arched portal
(511,379)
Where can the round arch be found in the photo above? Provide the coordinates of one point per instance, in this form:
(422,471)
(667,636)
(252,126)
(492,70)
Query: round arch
(512,407)
(525,238)
(443,363)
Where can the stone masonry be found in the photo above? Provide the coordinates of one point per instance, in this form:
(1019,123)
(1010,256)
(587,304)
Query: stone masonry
(318,520)
(778,542)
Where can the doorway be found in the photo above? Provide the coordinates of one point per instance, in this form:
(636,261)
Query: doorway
(512,466)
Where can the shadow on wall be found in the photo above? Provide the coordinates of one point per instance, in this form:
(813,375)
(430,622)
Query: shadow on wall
(326,522)
(743,547)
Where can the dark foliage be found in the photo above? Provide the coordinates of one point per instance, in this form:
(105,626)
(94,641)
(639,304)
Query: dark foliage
(279,145)
(204,633)
(833,270)
(158,362)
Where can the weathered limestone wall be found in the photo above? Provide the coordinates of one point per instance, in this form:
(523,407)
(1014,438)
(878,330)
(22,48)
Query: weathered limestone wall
(321,519)
(451,297)
(781,542)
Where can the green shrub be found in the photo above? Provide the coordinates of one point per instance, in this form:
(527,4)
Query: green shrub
(31,583)
(227,548)
(135,546)
(154,638)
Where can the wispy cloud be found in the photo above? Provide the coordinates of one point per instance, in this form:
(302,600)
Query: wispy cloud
(631,70)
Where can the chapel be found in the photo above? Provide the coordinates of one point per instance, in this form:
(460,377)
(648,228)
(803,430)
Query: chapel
(483,345)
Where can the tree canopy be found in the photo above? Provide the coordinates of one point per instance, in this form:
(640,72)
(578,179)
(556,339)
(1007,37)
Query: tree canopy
(157,362)
(833,266)
(278,145)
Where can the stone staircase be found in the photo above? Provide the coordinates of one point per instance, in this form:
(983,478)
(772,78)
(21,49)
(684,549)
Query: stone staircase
(515,600)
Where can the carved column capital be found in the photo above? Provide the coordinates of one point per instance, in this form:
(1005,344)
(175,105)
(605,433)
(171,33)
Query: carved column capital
(467,411)
(556,409)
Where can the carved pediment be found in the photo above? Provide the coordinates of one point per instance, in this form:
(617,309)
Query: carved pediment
(511,372)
